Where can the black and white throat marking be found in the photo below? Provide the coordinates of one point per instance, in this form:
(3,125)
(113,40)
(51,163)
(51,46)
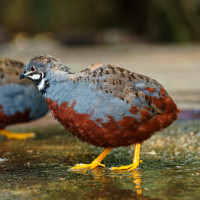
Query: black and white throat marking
(40,81)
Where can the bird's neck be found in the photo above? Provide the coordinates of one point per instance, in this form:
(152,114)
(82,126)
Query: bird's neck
(53,84)
(42,83)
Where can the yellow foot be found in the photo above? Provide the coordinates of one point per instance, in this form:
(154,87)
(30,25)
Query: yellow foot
(127,167)
(17,136)
(95,163)
(87,166)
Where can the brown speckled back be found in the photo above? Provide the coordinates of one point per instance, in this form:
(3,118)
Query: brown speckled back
(121,83)
(10,71)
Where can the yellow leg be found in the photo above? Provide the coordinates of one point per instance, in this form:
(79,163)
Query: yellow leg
(95,163)
(136,160)
(17,136)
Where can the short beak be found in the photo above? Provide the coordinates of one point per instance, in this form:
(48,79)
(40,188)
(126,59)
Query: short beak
(22,75)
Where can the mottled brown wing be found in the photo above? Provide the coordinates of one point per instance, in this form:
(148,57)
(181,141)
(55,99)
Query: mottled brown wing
(10,71)
(124,84)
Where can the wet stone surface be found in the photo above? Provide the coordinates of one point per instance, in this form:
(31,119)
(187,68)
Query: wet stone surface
(40,168)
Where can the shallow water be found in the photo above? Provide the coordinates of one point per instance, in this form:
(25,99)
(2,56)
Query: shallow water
(40,168)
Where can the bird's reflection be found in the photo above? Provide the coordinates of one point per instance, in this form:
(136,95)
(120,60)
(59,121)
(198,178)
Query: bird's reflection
(137,180)
(135,176)
(109,178)
(108,189)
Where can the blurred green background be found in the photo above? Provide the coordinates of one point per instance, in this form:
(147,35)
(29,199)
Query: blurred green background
(89,21)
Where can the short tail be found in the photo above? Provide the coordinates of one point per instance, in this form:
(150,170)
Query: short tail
(160,121)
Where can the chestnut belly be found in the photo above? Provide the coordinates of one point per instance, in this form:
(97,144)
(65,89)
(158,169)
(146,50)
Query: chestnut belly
(18,117)
(112,133)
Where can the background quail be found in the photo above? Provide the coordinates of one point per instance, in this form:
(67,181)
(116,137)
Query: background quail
(20,101)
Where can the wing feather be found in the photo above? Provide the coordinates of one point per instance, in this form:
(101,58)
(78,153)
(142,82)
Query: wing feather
(137,90)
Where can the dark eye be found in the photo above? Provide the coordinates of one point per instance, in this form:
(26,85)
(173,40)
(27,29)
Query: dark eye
(33,69)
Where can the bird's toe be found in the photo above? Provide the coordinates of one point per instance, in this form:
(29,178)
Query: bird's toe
(87,166)
(127,167)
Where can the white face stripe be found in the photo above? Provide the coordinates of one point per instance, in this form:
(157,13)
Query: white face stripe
(42,84)
(34,76)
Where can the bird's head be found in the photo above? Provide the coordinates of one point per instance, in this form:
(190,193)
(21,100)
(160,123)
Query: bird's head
(39,67)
